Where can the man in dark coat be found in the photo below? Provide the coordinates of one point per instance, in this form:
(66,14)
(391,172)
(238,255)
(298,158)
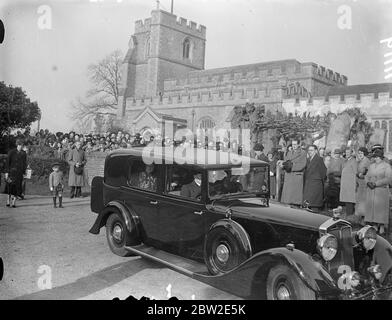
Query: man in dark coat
(16,168)
(315,174)
(193,189)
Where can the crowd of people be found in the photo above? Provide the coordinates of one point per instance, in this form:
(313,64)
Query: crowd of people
(300,175)
(311,178)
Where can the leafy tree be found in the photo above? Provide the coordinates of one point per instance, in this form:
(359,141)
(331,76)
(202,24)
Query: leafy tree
(102,99)
(16,109)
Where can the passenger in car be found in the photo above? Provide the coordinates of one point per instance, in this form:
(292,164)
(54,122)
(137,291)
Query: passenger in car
(145,179)
(193,189)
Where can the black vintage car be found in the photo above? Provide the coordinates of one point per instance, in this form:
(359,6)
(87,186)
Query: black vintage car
(207,214)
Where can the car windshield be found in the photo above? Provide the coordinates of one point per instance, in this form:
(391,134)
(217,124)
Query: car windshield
(237,182)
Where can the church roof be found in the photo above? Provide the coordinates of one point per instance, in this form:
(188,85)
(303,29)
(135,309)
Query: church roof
(244,68)
(360,89)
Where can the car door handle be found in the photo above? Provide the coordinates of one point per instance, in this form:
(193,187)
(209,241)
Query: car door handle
(154,202)
(198,212)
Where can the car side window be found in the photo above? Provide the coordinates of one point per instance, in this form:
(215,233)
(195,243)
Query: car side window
(183,182)
(143,176)
(116,170)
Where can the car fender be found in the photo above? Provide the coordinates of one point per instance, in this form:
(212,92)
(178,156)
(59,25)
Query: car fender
(130,217)
(249,279)
(237,231)
(382,255)
(310,271)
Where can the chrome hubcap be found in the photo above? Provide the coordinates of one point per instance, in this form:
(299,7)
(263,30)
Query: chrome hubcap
(117,233)
(283,293)
(222,253)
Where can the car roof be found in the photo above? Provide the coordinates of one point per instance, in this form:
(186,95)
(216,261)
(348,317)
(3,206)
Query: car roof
(195,157)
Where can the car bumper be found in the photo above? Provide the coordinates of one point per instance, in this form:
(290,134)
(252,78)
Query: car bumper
(381,293)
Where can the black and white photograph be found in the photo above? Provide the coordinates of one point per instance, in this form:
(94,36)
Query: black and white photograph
(221,150)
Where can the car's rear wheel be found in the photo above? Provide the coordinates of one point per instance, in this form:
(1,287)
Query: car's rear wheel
(284,284)
(117,235)
(223,251)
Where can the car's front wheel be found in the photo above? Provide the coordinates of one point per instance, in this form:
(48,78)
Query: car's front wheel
(284,284)
(117,235)
(223,251)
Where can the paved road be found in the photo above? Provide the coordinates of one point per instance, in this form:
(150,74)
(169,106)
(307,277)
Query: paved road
(45,248)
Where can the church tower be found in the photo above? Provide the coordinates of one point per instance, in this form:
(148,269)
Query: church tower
(162,47)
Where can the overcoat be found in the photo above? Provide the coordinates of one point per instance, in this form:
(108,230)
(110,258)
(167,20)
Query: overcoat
(348,181)
(273,165)
(74,156)
(363,167)
(315,175)
(294,180)
(16,167)
(377,200)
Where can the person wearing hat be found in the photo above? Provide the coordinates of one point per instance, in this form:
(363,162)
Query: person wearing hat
(258,152)
(77,160)
(314,178)
(377,181)
(292,192)
(56,185)
(16,166)
(363,167)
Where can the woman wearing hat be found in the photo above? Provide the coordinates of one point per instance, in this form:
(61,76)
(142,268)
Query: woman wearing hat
(363,167)
(377,180)
(15,169)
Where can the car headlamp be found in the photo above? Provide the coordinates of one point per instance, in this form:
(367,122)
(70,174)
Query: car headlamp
(375,271)
(327,245)
(367,237)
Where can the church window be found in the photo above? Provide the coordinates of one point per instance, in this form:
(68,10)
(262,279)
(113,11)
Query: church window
(206,123)
(147,48)
(186,49)
(377,124)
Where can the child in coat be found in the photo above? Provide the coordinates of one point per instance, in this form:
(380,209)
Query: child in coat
(56,185)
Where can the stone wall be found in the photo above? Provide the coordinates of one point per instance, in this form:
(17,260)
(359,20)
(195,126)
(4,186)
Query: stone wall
(95,165)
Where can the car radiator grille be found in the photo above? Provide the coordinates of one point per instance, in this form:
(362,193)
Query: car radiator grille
(344,259)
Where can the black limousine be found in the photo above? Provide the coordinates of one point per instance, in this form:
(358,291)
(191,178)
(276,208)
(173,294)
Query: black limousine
(207,214)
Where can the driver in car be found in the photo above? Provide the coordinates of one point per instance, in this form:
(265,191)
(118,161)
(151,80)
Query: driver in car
(193,189)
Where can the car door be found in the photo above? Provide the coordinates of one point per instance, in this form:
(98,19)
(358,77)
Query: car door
(144,201)
(181,218)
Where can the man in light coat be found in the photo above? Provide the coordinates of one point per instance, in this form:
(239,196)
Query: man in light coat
(348,182)
(77,160)
(294,179)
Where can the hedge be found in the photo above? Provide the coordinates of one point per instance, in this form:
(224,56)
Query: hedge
(42,167)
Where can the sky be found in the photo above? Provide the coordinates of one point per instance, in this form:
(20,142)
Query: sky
(51,64)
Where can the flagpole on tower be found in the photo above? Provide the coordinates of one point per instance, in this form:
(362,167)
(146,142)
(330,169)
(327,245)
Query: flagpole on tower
(157,4)
(171,11)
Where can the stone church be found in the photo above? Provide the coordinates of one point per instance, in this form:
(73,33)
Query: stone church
(164,79)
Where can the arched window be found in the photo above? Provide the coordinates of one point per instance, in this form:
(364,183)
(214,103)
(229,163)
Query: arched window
(186,49)
(206,123)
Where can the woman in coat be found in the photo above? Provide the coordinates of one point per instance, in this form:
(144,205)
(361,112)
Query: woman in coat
(16,168)
(77,160)
(377,180)
(348,182)
(363,167)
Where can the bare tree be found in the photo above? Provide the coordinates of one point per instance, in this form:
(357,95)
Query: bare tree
(102,98)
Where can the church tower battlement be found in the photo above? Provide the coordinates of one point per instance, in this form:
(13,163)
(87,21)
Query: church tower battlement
(162,47)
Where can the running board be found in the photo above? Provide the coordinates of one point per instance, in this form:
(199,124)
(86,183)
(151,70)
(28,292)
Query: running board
(185,266)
